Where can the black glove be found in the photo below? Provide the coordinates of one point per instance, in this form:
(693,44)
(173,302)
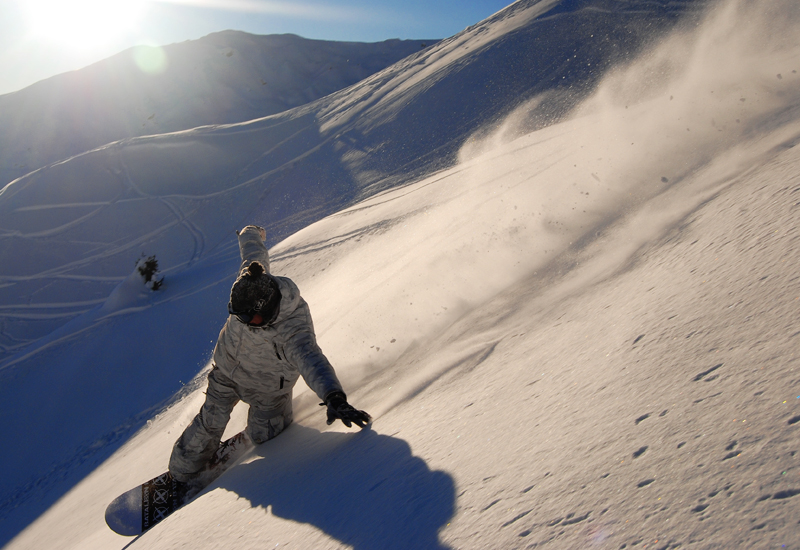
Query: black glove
(338,407)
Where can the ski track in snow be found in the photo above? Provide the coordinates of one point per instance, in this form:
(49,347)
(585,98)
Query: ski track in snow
(197,234)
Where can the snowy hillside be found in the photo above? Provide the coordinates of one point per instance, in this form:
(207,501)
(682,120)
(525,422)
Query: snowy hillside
(223,78)
(579,332)
(179,195)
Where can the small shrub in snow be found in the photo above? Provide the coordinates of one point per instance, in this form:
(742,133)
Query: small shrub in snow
(148,267)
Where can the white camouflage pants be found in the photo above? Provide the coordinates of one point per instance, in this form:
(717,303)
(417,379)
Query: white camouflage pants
(200,440)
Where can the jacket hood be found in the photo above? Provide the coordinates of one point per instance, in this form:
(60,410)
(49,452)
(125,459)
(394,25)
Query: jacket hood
(290,298)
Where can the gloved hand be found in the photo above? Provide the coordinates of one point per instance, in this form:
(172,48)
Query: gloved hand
(261,231)
(338,407)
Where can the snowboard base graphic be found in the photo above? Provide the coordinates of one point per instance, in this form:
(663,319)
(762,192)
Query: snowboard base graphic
(135,511)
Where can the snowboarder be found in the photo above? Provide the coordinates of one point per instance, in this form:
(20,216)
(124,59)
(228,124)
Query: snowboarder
(267,342)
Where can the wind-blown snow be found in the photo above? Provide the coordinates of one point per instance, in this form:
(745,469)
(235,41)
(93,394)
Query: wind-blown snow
(579,336)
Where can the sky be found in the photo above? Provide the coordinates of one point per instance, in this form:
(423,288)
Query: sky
(41,38)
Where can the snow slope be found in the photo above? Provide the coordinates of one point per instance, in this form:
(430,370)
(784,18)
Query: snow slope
(179,195)
(578,336)
(223,78)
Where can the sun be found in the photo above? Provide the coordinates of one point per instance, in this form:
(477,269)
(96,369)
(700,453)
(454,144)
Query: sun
(81,24)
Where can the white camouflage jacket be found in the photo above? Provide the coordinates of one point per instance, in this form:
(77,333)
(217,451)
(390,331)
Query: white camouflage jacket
(265,362)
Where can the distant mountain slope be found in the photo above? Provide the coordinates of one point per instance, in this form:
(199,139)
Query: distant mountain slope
(223,78)
(539,57)
(76,228)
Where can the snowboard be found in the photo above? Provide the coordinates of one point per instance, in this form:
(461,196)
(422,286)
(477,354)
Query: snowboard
(135,511)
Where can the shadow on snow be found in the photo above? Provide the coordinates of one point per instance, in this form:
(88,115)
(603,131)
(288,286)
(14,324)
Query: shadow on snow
(367,490)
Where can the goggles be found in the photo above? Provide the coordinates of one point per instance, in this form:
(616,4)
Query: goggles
(251,317)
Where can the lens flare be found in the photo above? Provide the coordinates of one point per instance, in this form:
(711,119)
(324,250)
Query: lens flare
(150,59)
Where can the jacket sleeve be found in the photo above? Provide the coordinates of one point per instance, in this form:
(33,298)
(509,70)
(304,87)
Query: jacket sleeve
(302,351)
(252,248)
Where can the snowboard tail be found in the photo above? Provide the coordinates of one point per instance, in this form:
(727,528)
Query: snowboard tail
(135,511)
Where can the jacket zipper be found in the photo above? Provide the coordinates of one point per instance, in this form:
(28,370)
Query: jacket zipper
(275,345)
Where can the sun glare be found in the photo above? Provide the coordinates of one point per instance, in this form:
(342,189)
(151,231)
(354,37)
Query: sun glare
(81,24)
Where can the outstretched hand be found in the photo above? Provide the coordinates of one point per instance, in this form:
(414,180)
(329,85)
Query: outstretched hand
(339,408)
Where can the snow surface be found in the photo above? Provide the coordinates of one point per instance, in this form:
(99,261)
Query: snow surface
(581,335)
(81,224)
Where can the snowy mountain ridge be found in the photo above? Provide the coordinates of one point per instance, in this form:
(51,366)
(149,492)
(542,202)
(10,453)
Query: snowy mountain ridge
(223,78)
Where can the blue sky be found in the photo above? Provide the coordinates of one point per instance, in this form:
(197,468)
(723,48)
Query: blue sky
(40,38)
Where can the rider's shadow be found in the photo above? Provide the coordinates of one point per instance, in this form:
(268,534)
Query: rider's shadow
(365,489)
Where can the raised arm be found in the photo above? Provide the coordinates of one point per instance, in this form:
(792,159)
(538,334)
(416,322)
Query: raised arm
(252,247)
